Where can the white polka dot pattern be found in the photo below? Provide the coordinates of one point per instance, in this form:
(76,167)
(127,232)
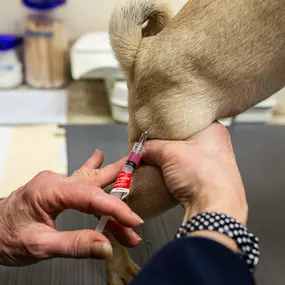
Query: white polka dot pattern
(246,242)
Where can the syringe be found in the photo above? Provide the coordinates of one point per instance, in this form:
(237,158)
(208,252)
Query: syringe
(122,186)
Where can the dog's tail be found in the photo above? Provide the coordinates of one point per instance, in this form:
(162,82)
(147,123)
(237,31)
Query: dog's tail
(132,20)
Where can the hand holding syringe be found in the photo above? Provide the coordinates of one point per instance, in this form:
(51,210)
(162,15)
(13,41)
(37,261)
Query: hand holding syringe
(122,186)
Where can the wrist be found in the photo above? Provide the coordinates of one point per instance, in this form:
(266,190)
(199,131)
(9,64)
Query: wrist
(234,204)
(238,213)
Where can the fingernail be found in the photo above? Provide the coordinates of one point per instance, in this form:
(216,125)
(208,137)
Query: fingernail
(102,250)
(136,236)
(139,219)
(108,251)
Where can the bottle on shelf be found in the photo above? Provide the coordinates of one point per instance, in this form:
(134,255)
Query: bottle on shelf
(46,43)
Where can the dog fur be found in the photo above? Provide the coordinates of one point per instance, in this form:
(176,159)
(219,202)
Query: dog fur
(214,59)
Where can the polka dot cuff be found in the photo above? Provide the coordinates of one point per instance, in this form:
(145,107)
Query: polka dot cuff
(246,242)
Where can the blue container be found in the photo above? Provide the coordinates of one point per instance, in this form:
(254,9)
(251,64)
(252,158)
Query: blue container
(11,71)
(43,5)
(8,42)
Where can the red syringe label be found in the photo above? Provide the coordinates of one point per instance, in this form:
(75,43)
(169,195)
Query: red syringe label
(123,181)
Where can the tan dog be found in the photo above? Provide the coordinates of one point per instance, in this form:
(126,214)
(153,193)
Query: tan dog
(214,59)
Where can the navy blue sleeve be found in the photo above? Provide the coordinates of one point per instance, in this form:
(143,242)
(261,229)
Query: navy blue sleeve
(195,261)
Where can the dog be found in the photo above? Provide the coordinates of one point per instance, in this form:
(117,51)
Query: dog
(214,59)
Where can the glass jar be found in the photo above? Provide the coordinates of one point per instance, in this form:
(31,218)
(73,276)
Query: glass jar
(46,43)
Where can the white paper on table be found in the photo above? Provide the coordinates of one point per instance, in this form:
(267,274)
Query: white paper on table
(27,106)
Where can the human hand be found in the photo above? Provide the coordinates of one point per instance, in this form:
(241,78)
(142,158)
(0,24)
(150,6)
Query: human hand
(201,172)
(27,227)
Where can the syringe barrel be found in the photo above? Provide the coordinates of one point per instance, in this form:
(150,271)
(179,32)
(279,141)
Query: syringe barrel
(122,186)
(136,154)
(138,147)
(128,168)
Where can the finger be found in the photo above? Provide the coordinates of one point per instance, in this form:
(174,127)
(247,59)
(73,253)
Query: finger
(125,236)
(78,244)
(90,199)
(153,152)
(99,177)
(95,161)
(107,175)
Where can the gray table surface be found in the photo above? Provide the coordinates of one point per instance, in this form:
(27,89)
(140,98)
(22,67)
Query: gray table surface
(260,151)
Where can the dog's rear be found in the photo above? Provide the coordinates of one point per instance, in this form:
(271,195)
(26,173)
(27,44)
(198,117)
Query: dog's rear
(212,60)
(130,22)
(216,58)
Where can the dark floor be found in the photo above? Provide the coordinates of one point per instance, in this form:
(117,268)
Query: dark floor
(260,152)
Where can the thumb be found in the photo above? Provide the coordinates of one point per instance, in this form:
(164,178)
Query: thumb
(79,244)
(153,152)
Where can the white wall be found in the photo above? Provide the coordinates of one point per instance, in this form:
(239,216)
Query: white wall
(83,15)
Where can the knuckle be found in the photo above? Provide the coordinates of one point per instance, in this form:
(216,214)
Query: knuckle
(93,175)
(76,172)
(27,195)
(74,245)
(89,176)
(46,173)
(45,176)
(64,193)
(40,185)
